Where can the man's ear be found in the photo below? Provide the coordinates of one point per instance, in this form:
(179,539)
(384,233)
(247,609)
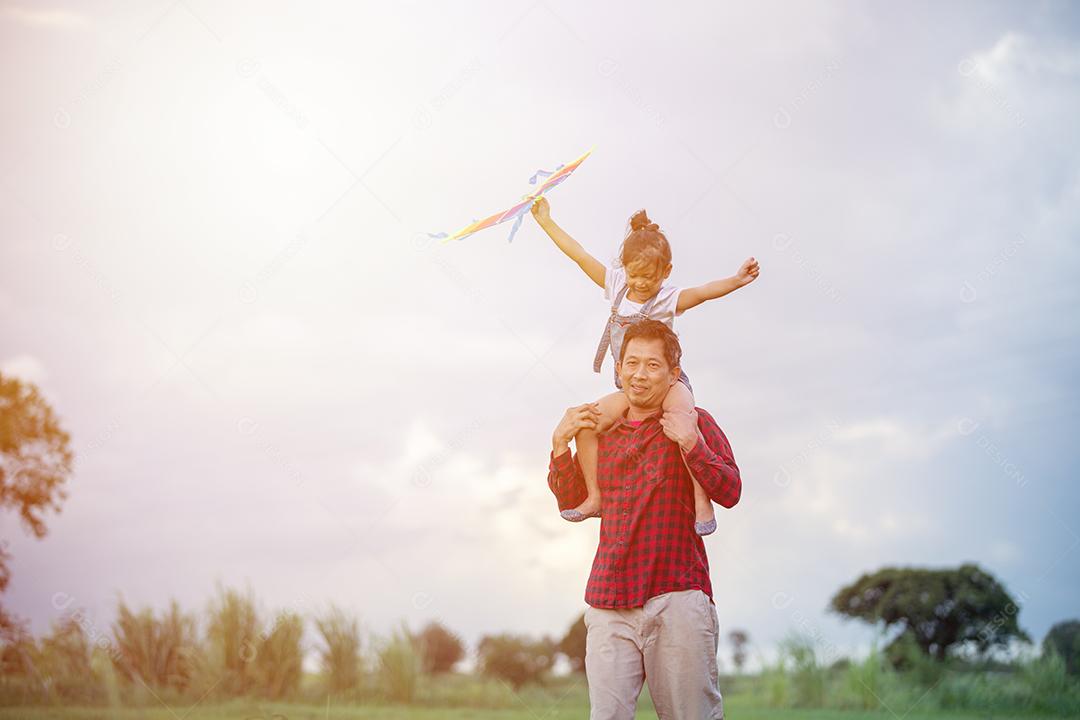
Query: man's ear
(676,372)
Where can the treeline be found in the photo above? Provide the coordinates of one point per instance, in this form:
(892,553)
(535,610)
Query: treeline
(807,674)
(167,657)
(954,643)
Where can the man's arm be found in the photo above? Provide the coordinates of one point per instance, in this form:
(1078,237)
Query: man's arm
(713,463)
(709,458)
(564,473)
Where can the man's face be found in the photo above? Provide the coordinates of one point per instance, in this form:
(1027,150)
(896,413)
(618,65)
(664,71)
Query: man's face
(645,373)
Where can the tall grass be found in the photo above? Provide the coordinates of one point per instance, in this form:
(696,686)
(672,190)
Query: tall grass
(232,642)
(399,668)
(797,679)
(65,660)
(340,651)
(156,654)
(279,658)
(865,681)
(1038,685)
(155,657)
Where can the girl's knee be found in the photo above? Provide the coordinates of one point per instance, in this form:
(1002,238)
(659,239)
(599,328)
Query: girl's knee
(612,407)
(679,397)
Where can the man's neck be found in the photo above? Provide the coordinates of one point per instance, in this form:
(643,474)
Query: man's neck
(635,413)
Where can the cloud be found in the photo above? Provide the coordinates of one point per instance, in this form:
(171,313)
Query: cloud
(1015,54)
(46,18)
(1008,86)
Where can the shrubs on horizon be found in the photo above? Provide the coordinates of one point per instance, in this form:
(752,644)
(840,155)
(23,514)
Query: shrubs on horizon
(1064,639)
(439,648)
(517,660)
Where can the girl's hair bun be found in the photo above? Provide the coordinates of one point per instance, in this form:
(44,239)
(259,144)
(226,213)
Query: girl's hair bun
(644,241)
(640,220)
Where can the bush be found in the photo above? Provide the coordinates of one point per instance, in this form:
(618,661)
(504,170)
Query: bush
(1052,688)
(1064,639)
(573,644)
(515,659)
(439,648)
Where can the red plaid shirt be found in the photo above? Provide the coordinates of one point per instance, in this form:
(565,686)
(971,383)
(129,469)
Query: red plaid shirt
(648,545)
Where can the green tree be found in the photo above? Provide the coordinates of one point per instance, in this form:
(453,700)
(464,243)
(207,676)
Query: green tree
(935,609)
(1064,639)
(440,649)
(517,660)
(35,462)
(573,644)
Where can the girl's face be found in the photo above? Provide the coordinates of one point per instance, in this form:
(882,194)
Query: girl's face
(644,277)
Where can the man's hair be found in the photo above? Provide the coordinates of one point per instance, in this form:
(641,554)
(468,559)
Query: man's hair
(654,330)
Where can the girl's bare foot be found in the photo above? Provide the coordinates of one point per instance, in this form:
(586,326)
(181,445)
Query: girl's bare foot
(589,508)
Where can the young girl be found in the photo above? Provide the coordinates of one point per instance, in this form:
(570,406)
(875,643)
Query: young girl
(637,291)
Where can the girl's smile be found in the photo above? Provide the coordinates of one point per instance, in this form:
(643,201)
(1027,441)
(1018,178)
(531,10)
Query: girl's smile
(643,278)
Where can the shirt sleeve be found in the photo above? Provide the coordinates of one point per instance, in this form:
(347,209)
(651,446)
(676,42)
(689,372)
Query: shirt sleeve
(566,481)
(713,463)
(667,302)
(614,279)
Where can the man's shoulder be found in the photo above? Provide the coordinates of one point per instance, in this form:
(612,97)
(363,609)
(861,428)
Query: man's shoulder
(705,419)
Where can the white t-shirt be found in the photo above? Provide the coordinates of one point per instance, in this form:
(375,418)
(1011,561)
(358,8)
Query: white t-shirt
(663,309)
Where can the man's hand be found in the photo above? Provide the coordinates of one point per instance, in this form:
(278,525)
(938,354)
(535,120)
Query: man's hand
(541,210)
(575,419)
(748,272)
(682,428)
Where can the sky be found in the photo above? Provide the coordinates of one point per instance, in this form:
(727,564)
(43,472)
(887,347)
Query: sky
(215,264)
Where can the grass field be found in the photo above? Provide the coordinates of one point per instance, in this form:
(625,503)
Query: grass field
(736,708)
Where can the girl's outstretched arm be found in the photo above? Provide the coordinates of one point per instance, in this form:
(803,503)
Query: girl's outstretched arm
(692,297)
(573,249)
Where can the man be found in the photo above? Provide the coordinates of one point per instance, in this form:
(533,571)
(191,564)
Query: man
(650,613)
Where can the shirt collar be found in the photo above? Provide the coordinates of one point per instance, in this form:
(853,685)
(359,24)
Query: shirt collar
(622,422)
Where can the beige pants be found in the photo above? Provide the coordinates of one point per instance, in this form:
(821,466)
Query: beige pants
(671,642)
